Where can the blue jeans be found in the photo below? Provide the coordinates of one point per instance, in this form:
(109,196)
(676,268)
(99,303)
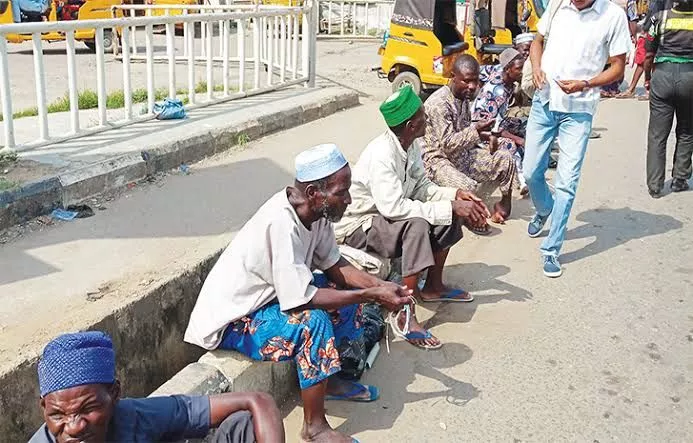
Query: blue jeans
(573,131)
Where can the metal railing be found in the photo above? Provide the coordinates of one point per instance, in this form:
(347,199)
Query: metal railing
(354,19)
(271,51)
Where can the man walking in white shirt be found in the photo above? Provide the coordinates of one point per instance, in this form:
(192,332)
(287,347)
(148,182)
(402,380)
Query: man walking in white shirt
(568,69)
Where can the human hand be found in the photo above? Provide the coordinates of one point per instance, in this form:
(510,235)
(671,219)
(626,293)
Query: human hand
(493,143)
(464,195)
(572,86)
(647,85)
(538,77)
(391,296)
(484,125)
(476,212)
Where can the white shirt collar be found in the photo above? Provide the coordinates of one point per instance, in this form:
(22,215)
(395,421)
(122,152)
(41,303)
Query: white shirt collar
(597,7)
(395,140)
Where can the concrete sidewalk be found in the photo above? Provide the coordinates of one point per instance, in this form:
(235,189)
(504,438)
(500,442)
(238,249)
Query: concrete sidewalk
(80,168)
(603,353)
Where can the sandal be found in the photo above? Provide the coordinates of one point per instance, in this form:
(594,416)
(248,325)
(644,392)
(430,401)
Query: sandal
(479,230)
(357,389)
(623,95)
(405,333)
(452,296)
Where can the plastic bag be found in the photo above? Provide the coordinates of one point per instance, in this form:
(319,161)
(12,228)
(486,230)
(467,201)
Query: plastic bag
(169,109)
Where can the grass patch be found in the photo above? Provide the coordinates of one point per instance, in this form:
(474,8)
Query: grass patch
(89,99)
(243,139)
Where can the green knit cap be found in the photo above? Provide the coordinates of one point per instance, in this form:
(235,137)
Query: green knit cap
(400,106)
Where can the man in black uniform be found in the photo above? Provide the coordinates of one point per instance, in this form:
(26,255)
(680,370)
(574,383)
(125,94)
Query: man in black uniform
(670,59)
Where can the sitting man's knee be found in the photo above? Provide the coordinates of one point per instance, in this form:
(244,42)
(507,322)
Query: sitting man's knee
(418,226)
(236,428)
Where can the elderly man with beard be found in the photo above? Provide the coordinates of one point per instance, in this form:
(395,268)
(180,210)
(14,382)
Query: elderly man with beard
(460,153)
(398,212)
(262,299)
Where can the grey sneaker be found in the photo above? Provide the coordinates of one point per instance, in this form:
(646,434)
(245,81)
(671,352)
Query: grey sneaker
(536,225)
(552,268)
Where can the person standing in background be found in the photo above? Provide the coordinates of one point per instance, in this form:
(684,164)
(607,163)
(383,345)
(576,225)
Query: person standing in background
(671,93)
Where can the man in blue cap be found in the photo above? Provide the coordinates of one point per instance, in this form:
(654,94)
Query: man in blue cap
(262,299)
(80,400)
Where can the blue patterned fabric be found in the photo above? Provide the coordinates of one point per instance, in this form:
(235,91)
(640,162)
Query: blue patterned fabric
(76,359)
(310,337)
(494,97)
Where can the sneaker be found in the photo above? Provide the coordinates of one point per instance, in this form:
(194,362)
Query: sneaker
(679,185)
(536,225)
(552,268)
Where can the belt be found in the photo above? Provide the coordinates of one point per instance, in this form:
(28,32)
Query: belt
(674,67)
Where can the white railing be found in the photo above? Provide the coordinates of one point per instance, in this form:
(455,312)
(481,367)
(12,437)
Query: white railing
(354,19)
(270,52)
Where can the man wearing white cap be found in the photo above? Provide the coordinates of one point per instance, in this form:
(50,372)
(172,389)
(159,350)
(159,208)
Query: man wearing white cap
(262,299)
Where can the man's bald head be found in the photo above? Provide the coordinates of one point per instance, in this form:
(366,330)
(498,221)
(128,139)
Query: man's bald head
(465,62)
(465,77)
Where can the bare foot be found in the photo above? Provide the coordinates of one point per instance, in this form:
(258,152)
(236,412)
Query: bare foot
(414,326)
(322,433)
(501,211)
(626,94)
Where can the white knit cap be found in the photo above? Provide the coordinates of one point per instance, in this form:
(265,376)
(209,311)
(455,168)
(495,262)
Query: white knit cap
(319,162)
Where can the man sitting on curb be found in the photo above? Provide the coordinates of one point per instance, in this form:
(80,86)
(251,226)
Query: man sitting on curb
(460,153)
(80,400)
(262,299)
(398,212)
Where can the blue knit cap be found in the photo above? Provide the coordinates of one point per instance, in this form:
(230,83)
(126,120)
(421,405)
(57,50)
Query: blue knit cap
(77,359)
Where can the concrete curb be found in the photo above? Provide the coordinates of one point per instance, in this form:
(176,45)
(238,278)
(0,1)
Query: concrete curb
(42,196)
(148,338)
(147,335)
(229,371)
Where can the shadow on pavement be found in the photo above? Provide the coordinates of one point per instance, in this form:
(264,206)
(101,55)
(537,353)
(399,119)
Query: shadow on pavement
(483,281)
(614,227)
(409,364)
(211,201)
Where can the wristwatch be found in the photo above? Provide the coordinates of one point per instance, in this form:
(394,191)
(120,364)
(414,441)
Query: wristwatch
(587,84)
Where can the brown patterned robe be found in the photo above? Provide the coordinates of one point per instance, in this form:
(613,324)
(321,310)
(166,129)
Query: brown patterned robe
(450,149)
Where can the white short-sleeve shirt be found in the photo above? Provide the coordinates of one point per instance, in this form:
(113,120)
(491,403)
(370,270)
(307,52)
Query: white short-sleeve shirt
(272,256)
(578,46)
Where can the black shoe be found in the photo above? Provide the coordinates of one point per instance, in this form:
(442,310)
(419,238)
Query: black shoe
(679,184)
(553,164)
(654,194)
